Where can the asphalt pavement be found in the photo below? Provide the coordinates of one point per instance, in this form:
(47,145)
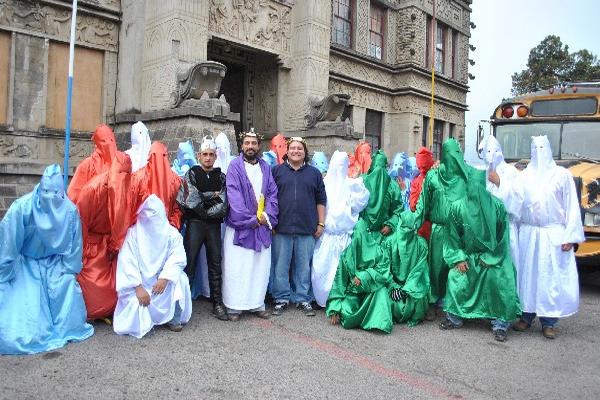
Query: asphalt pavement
(297,357)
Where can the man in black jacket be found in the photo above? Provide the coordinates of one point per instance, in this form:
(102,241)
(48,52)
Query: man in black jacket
(203,199)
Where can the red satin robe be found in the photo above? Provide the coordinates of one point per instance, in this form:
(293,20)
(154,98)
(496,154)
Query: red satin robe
(424,163)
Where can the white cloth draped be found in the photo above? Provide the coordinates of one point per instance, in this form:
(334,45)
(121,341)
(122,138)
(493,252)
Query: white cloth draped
(509,191)
(550,216)
(152,250)
(346,198)
(224,156)
(245,271)
(140,146)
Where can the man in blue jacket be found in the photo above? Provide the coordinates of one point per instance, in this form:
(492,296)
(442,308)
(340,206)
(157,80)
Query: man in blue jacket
(302,199)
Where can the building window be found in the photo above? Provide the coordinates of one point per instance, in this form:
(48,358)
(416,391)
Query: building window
(452,131)
(373,125)
(440,48)
(376,26)
(425,131)
(4,74)
(454,50)
(87,87)
(438,136)
(341,30)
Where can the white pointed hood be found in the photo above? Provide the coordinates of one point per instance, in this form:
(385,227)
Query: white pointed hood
(140,146)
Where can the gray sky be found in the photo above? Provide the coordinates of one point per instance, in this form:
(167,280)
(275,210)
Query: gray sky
(506,31)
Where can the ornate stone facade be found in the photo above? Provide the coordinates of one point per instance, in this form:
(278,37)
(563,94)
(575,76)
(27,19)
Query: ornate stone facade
(279,57)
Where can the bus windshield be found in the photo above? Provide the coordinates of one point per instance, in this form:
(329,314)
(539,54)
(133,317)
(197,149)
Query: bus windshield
(578,139)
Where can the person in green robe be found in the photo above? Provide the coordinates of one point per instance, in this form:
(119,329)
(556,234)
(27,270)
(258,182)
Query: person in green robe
(409,287)
(482,276)
(359,295)
(442,187)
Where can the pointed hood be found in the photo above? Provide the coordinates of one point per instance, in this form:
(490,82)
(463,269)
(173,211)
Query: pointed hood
(140,146)
(319,161)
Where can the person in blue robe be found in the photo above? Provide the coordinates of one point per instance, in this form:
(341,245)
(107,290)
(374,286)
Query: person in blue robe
(401,171)
(319,161)
(41,304)
(186,158)
(270,157)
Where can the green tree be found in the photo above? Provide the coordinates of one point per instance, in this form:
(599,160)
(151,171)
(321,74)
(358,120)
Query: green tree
(551,63)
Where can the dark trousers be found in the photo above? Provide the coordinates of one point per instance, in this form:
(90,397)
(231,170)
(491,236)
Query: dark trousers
(197,234)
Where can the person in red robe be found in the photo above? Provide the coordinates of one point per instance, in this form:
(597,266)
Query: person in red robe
(99,162)
(424,163)
(362,160)
(104,207)
(279,146)
(157,178)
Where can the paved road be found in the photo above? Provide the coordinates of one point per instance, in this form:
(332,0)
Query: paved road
(297,357)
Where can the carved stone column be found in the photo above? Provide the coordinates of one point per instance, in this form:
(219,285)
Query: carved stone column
(175,37)
(308,74)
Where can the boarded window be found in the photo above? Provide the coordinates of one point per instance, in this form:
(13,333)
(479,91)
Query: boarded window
(373,128)
(4,74)
(86,112)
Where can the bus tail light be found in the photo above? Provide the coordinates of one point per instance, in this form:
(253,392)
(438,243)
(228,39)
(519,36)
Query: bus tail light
(508,111)
(522,111)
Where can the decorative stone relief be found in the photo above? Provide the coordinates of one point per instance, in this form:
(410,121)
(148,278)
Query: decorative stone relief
(329,108)
(362,27)
(362,97)
(261,22)
(56,23)
(361,71)
(410,36)
(9,148)
(78,149)
(201,78)
(266,116)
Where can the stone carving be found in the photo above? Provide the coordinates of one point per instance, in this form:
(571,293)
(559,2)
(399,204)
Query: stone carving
(77,150)
(372,99)
(56,23)
(201,78)
(362,27)
(9,148)
(261,22)
(266,84)
(329,108)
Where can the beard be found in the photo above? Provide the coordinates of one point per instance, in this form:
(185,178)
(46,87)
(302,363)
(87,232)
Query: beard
(249,154)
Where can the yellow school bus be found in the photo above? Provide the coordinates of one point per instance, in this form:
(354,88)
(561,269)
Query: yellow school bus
(569,115)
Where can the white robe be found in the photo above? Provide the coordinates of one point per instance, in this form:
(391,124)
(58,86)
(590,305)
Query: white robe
(547,276)
(152,250)
(140,146)
(346,198)
(245,271)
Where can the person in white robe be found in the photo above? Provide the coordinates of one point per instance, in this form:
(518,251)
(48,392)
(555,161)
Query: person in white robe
(140,146)
(152,286)
(346,198)
(503,182)
(550,228)
(253,211)
(224,156)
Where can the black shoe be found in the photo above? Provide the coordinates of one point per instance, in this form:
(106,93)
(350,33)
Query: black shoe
(306,309)
(446,325)
(220,312)
(280,307)
(500,335)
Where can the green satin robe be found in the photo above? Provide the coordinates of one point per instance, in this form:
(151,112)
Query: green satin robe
(368,305)
(479,235)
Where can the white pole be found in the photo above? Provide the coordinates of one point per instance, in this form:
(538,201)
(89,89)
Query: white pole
(70,94)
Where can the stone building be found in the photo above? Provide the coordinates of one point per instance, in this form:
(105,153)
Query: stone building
(334,71)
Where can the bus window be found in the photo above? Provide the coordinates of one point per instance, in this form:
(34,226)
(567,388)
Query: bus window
(516,138)
(579,140)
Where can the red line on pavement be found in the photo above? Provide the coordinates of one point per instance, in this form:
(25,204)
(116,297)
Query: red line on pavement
(360,360)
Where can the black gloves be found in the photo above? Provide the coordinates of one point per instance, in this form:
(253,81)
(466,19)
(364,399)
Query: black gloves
(398,294)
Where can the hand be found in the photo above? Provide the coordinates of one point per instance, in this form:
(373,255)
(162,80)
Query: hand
(142,295)
(159,286)
(318,232)
(386,230)
(398,294)
(462,267)
(566,246)
(356,281)
(494,177)
(216,194)
(334,319)
(262,220)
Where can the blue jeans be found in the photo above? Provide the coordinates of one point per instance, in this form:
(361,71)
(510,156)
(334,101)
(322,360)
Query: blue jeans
(291,252)
(547,322)
(497,324)
(177,316)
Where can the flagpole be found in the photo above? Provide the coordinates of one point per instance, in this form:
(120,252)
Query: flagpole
(70,94)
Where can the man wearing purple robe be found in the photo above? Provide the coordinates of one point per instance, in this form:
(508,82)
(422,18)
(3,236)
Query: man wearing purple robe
(253,212)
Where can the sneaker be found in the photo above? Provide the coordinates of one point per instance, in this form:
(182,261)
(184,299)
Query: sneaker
(220,312)
(306,309)
(500,335)
(446,324)
(175,327)
(280,307)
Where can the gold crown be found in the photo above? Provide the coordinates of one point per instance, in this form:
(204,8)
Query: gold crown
(251,133)
(295,139)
